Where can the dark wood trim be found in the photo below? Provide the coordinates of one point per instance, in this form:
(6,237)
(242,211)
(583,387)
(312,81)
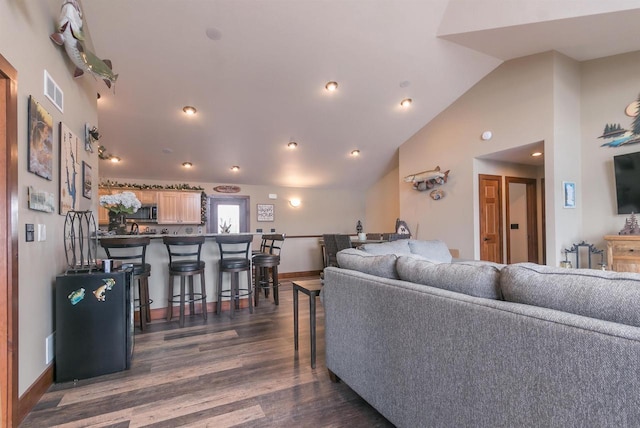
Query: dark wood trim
(9,246)
(35,392)
(532,217)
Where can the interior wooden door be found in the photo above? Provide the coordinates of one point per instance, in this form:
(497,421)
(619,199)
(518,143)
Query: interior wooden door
(491,218)
(8,245)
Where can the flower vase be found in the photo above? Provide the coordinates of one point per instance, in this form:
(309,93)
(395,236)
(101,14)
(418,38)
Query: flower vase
(117,223)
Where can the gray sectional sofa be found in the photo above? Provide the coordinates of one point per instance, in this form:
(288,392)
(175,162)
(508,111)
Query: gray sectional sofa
(472,344)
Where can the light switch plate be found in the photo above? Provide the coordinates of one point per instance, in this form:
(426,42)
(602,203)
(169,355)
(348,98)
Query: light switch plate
(42,232)
(273,196)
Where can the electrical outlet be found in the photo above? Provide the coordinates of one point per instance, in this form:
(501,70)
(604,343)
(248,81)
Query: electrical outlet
(48,348)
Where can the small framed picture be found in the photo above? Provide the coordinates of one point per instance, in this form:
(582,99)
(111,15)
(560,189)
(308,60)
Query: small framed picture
(569,194)
(87,180)
(265,212)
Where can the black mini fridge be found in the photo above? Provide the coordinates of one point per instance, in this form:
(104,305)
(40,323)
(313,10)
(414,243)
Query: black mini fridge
(94,324)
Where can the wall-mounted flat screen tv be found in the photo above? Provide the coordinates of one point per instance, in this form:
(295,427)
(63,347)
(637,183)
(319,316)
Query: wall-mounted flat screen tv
(627,172)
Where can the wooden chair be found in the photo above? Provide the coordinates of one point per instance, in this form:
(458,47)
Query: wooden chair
(184,262)
(133,250)
(266,262)
(234,258)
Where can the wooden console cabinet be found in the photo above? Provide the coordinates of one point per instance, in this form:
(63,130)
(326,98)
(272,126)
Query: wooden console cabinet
(623,253)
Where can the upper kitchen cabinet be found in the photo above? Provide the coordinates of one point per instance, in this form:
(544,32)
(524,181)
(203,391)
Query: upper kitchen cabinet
(179,208)
(147,197)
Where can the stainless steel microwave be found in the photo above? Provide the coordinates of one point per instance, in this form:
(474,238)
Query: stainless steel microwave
(147,213)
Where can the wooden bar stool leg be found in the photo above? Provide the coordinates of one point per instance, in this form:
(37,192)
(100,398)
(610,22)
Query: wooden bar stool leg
(169,299)
(249,292)
(256,288)
(276,284)
(204,296)
(192,303)
(182,287)
(142,306)
(219,302)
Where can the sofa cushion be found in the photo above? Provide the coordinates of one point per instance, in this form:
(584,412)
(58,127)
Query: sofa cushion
(608,296)
(383,265)
(434,250)
(474,279)
(401,246)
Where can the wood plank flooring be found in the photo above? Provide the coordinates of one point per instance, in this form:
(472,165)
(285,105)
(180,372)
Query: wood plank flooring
(240,372)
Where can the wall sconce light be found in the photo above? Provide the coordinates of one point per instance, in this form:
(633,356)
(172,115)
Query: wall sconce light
(295,202)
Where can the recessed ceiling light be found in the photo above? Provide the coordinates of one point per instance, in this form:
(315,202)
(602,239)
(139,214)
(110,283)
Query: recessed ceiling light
(98,95)
(187,164)
(536,154)
(406,102)
(292,145)
(355,152)
(331,86)
(114,159)
(235,168)
(189,110)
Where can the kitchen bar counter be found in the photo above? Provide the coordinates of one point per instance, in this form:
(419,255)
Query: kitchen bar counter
(158,258)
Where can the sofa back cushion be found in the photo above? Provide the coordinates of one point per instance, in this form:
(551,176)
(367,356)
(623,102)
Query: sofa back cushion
(608,296)
(401,246)
(383,265)
(474,279)
(434,250)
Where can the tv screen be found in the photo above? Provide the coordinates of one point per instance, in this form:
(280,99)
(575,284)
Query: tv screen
(627,172)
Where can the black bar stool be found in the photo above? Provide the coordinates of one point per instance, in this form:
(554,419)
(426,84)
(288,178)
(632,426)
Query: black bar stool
(234,258)
(133,250)
(184,261)
(265,262)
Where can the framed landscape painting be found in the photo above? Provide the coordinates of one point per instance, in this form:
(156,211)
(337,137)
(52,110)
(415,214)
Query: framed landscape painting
(40,147)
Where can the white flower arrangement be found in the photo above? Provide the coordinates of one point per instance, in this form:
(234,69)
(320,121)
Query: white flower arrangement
(125,202)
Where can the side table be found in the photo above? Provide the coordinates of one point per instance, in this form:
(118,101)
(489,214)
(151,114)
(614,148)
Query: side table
(312,289)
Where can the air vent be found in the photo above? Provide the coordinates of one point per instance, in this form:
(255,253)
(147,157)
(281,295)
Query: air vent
(53,92)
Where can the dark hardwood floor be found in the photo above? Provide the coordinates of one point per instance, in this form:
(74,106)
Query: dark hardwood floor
(223,372)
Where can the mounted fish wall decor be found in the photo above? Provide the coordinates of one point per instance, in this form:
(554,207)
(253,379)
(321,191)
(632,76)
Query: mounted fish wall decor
(427,179)
(69,34)
(620,136)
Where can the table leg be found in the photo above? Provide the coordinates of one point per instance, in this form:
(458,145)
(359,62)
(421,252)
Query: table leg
(295,318)
(312,328)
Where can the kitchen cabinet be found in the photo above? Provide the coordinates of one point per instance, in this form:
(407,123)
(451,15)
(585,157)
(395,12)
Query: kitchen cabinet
(146,197)
(179,208)
(623,253)
(103,213)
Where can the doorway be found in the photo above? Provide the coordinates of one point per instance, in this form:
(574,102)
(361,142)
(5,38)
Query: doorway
(490,193)
(228,211)
(8,244)
(522,220)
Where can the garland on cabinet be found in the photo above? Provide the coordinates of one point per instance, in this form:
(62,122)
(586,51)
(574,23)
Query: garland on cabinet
(183,186)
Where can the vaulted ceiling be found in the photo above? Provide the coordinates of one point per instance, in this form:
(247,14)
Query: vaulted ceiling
(256,72)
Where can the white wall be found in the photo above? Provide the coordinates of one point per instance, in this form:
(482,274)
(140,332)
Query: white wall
(515,103)
(608,85)
(383,204)
(24,42)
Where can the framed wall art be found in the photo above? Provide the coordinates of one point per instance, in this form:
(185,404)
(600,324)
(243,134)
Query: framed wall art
(39,200)
(40,145)
(569,194)
(87,180)
(265,212)
(69,166)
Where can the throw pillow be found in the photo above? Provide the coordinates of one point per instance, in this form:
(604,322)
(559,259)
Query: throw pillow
(379,265)
(435,250)
(401,246)
(474,279)
(609,296)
